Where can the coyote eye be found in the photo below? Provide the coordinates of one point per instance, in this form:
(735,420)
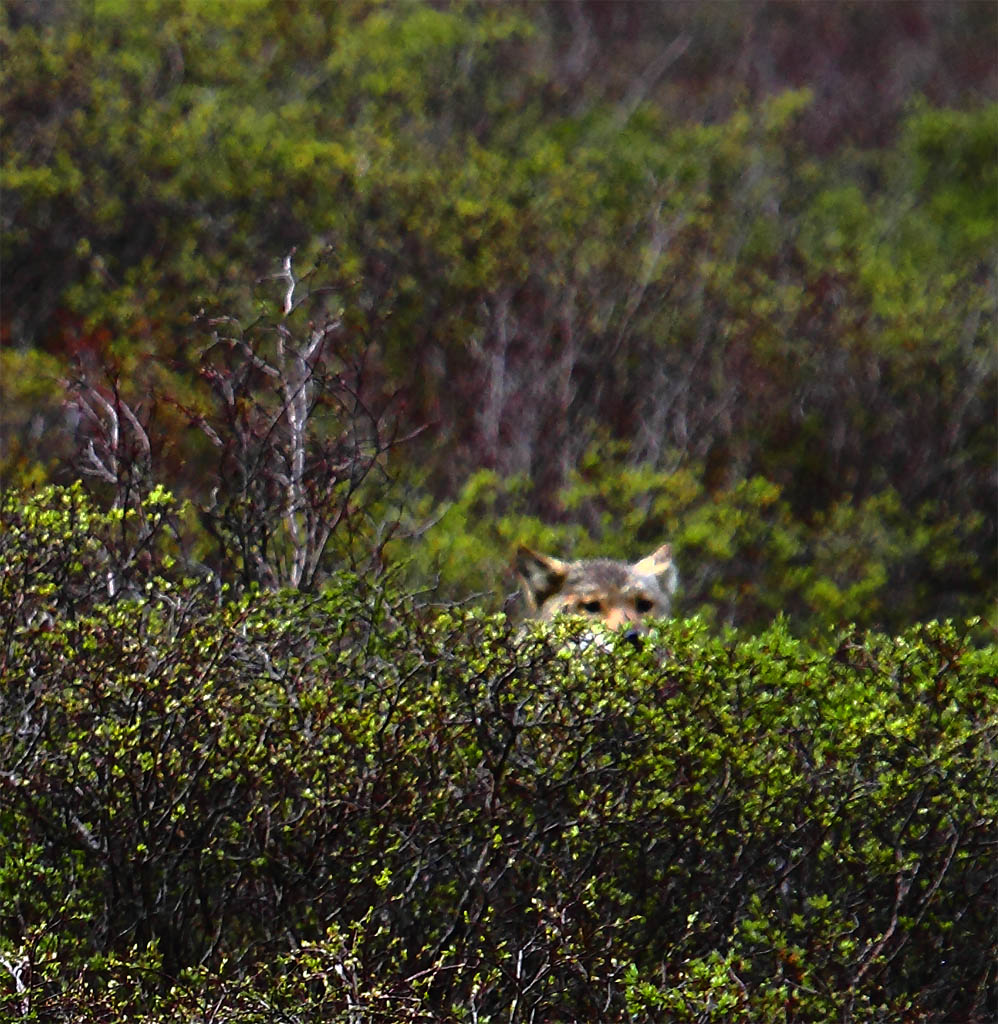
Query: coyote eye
(643,605)
(592,606)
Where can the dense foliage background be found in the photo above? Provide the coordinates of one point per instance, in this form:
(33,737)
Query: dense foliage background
(721,274)
(310,311)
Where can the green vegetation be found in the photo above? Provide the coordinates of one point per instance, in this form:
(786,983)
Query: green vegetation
(342,807)
(765,320)
(310,312)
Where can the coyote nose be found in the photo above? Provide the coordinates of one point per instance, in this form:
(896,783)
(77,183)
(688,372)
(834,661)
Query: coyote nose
(633,636)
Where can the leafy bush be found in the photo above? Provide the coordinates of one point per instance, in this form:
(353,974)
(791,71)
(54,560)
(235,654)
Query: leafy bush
(744,555)
(543,229)
(339,806)
(615,290)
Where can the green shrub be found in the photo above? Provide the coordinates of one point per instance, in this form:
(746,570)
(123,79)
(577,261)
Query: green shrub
(744,554)
(340,805)
(724,276)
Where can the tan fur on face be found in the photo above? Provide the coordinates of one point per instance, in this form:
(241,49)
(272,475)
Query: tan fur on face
(615,593)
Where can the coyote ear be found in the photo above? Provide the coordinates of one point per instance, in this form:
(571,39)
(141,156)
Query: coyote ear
(659,563)
(540,576)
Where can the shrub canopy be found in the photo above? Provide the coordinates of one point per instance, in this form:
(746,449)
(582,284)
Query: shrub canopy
(310,312)
(338,805)
(656,294)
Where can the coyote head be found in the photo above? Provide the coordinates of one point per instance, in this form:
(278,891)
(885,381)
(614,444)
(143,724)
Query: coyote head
(619,595)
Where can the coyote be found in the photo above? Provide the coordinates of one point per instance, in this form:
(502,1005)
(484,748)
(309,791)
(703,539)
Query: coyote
(619,595)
